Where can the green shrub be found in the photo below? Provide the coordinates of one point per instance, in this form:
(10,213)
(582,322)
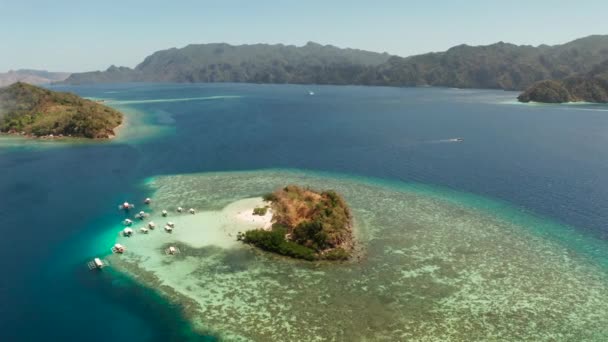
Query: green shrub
(274,241)
(311,234)
(260,211)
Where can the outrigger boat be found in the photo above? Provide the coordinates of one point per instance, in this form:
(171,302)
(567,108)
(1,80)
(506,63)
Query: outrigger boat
(97,264)
(126,206)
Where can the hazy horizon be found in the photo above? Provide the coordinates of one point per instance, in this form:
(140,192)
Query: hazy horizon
(71,36)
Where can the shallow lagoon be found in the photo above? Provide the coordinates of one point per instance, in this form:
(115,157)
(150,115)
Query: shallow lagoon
(432,268)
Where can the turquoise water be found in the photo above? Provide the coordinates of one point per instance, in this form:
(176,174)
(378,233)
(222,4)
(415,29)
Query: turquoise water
(534,174)
(434,265)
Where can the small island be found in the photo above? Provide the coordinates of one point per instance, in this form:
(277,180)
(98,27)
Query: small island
(306,224)
(38,112)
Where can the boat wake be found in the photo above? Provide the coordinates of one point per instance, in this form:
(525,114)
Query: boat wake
(445,141)
(207,98)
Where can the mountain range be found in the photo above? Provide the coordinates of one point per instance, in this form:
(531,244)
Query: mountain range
(31,76)
(497,66)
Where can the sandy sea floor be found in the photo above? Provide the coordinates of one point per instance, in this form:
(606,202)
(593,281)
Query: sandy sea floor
(434,269)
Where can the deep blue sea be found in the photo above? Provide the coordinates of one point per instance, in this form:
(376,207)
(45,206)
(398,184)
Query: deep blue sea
(547,160)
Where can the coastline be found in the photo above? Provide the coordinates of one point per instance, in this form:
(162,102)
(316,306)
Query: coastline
(118,129)
(65,138)
(264,221)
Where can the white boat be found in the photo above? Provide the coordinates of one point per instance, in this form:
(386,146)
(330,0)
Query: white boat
(151,225)
(143,230)
(164,213)
(168,229)
(180,209)
(311,93)
(147,200)
(127,232)
(192,211)
(126,206)
(127,222)
(97,263)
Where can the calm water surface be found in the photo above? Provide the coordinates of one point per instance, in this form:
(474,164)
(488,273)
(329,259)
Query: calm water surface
(546,160)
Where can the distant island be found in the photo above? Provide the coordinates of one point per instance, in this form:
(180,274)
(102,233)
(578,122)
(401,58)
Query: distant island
(33,111)
(496,66)
(307,225)
(31,76)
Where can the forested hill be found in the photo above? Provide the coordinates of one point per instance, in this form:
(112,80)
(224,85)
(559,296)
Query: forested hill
(35,111)
(589,87)
(496,66)
(259,63)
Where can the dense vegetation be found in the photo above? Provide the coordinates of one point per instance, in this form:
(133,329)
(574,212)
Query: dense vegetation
(569,90)
(307,225)
(591,87)
(274,241)
(258,63)
(36,111)
(499,66)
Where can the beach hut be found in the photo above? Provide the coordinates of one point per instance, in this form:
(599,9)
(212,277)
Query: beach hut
(172,250)
(147,200)
(180,209)
(127,232)
(128,222)
(168,229)
(191,211)
(143,230)
(151,225)
(164,213)
(141,215)
(118,248)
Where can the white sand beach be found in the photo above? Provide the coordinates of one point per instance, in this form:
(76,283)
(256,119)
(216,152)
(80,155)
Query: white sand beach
(261,221)
(205,228)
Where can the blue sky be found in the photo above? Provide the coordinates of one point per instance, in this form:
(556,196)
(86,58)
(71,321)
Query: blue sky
(69,35)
